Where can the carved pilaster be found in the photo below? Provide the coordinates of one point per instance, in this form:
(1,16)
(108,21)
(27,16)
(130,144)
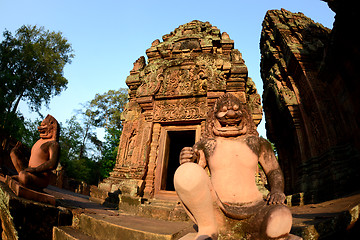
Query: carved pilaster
(150,176)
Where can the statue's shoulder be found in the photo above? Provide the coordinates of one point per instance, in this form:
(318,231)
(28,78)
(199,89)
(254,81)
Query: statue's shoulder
(207,145)
(254,142)
(204,143)
(50,144)
(258,144)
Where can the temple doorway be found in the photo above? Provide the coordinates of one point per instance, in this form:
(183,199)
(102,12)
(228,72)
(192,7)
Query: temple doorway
(177,140)
(172,140)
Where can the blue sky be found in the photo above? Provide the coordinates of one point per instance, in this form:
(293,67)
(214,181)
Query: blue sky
(108,36)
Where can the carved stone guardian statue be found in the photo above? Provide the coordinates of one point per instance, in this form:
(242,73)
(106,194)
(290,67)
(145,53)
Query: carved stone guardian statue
(44,157)
(231,152)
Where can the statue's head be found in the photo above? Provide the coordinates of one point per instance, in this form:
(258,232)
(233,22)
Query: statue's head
(49,128)
(232,118)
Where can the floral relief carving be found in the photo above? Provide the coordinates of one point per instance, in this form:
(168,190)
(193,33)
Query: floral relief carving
(170,110)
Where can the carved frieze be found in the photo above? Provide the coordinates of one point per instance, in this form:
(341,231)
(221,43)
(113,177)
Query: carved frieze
(150,83)
(183,79)
(180,110)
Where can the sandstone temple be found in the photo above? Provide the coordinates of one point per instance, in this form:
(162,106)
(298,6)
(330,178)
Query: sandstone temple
(170,96)
(311,102)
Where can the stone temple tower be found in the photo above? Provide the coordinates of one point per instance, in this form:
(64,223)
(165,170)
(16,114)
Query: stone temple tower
(169,99)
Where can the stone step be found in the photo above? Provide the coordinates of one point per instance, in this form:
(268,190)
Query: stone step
(69,233)
(164,212)
(170,210)
(117,227)
(163,203)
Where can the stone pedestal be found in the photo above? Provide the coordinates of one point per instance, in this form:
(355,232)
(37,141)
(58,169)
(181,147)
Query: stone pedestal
(30,194)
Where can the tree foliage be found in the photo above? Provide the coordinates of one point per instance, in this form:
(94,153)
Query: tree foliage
(76,156)
(105,109)
(31,69)
(83,155)
(109,152)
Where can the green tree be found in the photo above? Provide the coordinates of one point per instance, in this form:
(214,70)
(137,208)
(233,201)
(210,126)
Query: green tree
(83,155)
(29,134)
(109,152)
(76,155)
(31,69)
(104,111)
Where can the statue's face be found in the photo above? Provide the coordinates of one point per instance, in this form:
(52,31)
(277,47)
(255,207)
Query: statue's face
(230,117)
(48,128)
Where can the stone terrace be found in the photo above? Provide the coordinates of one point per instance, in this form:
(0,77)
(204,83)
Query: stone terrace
(336,219)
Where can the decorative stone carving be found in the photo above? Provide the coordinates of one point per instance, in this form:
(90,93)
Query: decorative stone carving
(180,110)
(43,159)
(139,65)
(232,152)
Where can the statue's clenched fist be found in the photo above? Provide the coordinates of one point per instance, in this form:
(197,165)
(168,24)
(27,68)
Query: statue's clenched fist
(188,154)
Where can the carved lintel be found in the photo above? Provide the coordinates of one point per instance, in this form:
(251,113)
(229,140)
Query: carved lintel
(180,110)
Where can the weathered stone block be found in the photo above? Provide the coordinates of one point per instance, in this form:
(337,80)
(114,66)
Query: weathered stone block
(27,220)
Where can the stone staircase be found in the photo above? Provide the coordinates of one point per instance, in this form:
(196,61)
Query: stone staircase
(335,219)
(95,226)
(94,221)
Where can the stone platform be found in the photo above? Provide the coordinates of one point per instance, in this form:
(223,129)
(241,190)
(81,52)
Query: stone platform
(120,226)
(25,219)
(336,219)
(27,193)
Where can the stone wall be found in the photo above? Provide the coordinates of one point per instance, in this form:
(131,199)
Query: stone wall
(311,103)
(24,219)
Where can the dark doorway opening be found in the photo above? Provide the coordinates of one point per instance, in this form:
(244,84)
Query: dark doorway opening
(175,141)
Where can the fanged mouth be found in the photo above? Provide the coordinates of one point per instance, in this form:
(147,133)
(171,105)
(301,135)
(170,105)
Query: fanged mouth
(42,133)
(229,127)
(230,123)
(42,130)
